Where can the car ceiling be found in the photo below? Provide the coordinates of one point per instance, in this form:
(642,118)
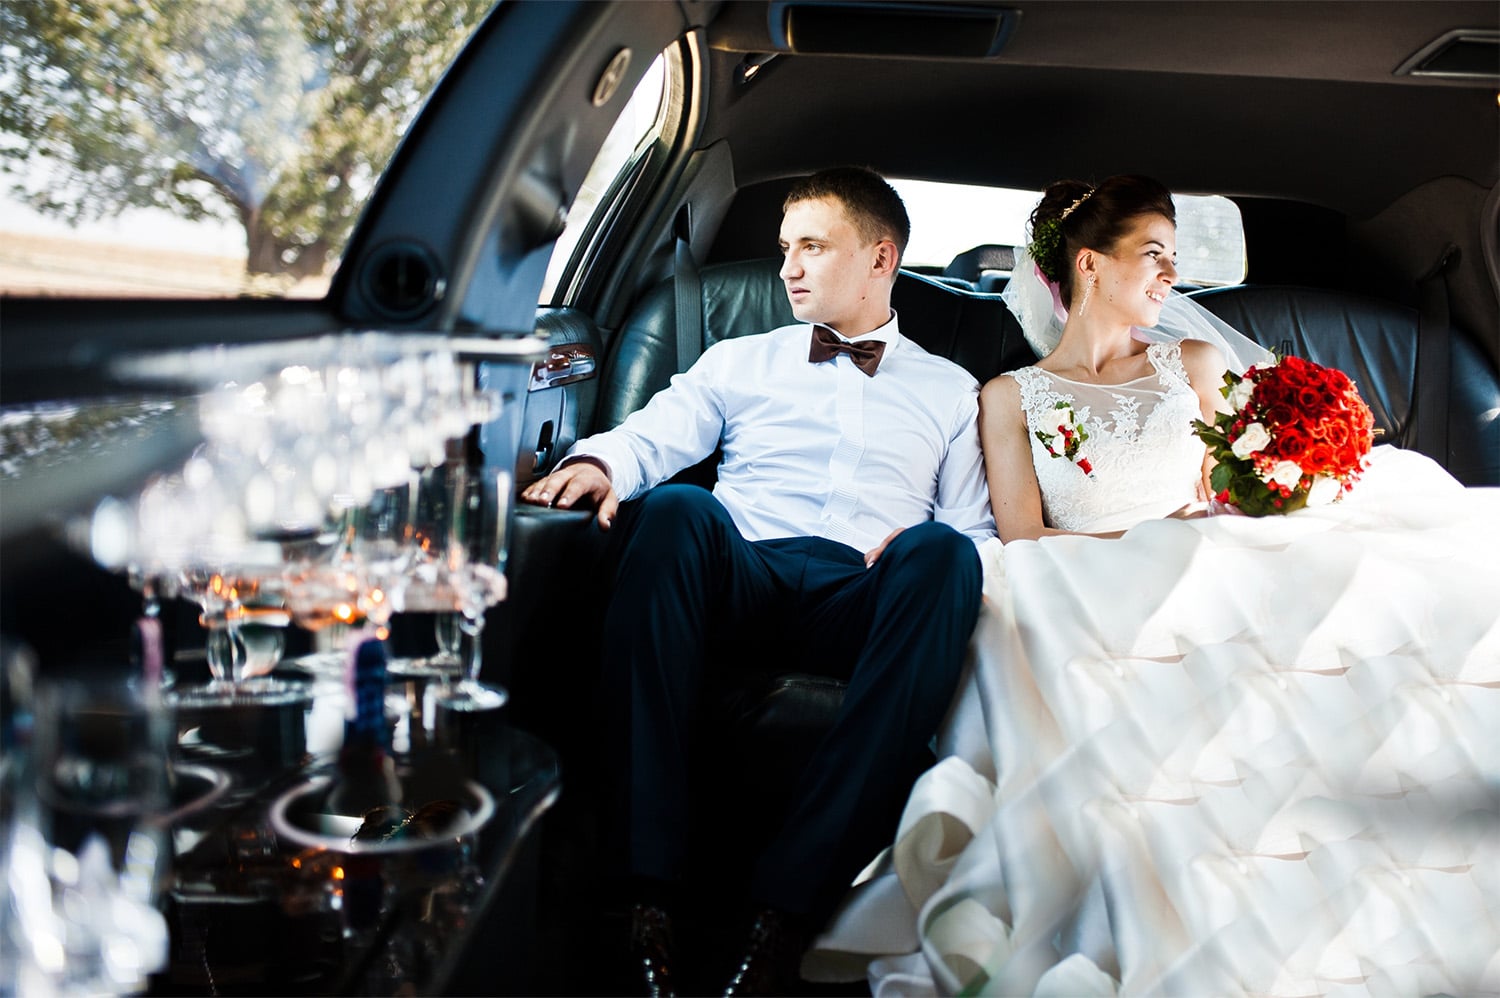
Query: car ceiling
(1293,100)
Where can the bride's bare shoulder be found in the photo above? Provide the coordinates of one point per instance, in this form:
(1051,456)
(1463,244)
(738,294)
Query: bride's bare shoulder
(1001,390)
(1204,365)
(1200,355)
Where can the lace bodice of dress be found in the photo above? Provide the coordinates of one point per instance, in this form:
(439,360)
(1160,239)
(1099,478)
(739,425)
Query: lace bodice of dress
(1144,457)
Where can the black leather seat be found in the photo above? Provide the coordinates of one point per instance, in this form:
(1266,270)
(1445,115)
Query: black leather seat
(1375,343)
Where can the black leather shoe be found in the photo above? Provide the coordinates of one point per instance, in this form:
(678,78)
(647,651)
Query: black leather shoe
(651,951)
(772,957)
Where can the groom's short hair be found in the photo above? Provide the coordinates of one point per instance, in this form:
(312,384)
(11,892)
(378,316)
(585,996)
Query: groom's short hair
(874,207)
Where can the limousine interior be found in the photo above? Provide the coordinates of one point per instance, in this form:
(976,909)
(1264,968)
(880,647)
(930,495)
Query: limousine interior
(602,181)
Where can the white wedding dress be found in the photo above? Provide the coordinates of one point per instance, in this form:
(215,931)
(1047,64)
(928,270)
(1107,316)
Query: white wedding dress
(1219,756)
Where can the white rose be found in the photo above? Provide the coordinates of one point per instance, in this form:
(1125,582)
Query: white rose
(1323,491)
(1239,395)
(1284,473)
(1255,438)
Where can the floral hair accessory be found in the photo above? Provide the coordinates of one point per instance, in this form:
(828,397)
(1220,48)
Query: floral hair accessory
(1046,242)
(1072,435)
(1298,435)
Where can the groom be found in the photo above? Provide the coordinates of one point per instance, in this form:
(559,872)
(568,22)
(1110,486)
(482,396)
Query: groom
(849,500)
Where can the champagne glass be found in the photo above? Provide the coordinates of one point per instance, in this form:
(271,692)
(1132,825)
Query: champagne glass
(479,580)
(245,616)
(89,848)
(436,554)
(323,594)
(381,551)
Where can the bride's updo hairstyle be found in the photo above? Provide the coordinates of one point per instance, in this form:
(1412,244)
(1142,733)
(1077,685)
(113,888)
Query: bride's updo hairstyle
(1072,216)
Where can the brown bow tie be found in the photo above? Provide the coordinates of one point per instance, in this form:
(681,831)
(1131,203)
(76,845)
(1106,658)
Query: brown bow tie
(826,345)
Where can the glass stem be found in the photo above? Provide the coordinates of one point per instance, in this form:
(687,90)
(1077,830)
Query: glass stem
(474,628)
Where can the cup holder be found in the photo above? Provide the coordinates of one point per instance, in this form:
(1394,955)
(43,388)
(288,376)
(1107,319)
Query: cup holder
(299,817)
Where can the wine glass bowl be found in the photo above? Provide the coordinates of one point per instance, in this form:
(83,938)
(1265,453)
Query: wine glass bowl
(381,548)
(244,616)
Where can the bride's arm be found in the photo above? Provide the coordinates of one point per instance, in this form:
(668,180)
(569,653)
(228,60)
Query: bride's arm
(1205,368)
(1015,496)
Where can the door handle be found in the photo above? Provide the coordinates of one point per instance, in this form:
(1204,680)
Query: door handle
(543,453)
(563,365)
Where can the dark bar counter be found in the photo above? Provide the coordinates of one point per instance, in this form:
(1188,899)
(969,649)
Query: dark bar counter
(258,902)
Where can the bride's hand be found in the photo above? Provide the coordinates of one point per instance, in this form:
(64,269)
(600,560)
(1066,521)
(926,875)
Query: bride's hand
(1216,508)
(1191,511)
(874,554)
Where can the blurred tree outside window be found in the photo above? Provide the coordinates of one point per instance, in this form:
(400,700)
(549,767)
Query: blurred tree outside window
(265,123)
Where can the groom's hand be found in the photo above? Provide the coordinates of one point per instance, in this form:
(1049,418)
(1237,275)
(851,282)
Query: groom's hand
(571,483)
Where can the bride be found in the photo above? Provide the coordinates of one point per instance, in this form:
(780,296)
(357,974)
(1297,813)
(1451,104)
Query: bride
(1192,754)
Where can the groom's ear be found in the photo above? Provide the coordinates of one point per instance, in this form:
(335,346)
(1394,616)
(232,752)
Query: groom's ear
(887,258)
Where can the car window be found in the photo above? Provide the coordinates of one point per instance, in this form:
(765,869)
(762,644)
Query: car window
(640,121)
(947,219)
(169,149)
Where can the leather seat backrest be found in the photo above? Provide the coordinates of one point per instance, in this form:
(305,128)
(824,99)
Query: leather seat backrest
(972,264)
(746,297)
(1375,343)
(975,331)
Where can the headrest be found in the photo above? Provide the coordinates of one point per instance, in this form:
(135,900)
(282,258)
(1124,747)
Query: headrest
(975,331)
(972,263)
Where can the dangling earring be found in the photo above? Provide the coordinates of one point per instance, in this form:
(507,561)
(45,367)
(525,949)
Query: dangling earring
(1088,291)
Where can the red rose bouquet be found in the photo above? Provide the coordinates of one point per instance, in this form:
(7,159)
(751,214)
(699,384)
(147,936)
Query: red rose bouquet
(1297,435)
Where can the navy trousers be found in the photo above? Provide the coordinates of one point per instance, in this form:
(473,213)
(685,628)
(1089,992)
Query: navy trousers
(897,631)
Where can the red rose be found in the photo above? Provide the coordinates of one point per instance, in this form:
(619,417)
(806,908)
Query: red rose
(1295,367)
(1320,458)
(1282,414)
(1268,395)
(1290,442)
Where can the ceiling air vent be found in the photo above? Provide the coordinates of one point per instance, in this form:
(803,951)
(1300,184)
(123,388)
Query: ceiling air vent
(1461,54)
(886,28)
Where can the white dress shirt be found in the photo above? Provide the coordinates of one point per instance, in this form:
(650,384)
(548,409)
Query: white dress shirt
(817,450)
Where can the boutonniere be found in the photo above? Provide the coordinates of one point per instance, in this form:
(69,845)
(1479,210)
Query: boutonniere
(1068,439)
